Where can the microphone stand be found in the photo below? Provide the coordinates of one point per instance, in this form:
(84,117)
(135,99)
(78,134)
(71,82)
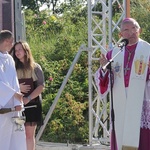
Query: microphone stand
(108,66)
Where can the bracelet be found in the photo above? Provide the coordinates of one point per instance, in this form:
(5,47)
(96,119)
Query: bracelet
(29,98)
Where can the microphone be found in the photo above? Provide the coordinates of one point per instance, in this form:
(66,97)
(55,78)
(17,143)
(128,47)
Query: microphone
(123,43)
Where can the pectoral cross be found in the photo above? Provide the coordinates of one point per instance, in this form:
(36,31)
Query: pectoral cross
(126,69)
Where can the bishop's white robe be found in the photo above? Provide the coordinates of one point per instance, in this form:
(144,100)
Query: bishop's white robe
(128,101)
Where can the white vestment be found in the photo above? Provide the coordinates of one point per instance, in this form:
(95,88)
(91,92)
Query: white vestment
(10,139)
(128,101)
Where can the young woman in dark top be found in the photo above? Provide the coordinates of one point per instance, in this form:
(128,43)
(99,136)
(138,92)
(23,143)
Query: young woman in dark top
(31,80)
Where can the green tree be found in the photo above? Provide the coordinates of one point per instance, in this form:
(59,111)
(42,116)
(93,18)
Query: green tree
(140,10)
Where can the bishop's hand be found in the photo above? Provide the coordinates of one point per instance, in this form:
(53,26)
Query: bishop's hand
(103,60)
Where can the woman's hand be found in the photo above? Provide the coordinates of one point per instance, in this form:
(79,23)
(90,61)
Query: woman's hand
(24,88)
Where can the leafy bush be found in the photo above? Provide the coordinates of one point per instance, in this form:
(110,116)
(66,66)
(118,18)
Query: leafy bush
(54,41)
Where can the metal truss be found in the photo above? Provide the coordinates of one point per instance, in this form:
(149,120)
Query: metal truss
(102,27)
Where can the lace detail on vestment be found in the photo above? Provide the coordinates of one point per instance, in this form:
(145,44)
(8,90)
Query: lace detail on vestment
(145,118)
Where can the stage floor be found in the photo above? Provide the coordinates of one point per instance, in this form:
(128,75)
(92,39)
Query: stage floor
(59,146)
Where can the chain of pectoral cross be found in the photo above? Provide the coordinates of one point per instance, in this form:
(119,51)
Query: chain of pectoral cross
(127,68)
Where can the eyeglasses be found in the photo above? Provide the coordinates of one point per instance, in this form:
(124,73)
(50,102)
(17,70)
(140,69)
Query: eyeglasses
(133,30)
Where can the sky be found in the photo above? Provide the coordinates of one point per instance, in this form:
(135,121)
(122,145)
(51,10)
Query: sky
(45,6)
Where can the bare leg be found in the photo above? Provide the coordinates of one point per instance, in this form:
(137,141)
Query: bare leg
(30,136)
